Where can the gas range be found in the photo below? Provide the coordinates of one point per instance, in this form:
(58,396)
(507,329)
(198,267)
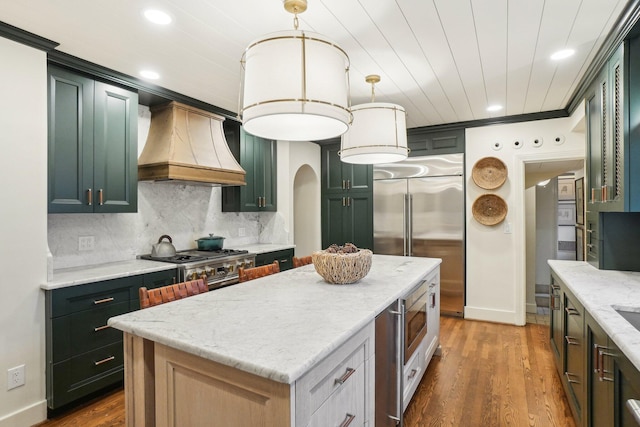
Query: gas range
(219,268)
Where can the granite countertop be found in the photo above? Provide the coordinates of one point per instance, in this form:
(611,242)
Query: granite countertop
(278,326)
(599,291)
(93,273)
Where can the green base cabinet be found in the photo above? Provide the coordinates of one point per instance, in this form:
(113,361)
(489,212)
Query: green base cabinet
(258,157)
(84,355)
(597,377)
(93,145)
(284,258)
(347,200)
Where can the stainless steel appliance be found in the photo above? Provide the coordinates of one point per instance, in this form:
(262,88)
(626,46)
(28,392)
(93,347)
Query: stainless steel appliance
(400,328)
(219,268)
(418,210)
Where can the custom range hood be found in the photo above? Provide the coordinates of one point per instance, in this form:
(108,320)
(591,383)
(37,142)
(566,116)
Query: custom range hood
(186,144)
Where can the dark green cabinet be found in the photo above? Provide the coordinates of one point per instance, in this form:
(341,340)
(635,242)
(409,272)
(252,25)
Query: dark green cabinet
(284,258)
(425,142)
(597,377)
(258,157)
(92,145)
(347,200)
(84,355)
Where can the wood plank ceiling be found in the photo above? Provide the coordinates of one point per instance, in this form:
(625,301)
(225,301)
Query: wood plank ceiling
(445,61)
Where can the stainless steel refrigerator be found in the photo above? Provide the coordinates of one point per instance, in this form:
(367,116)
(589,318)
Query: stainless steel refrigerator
(418,210)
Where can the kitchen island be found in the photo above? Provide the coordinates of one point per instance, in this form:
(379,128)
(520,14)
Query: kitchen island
(258,353)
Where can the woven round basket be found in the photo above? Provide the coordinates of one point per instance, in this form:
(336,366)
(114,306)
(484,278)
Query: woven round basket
(341,269)
(489,173)
(489,209)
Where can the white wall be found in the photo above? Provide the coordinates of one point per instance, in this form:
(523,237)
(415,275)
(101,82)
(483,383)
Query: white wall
(23,227)
(496,276)
(530,220)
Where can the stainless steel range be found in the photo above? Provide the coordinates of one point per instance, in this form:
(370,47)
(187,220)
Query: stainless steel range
(218,268)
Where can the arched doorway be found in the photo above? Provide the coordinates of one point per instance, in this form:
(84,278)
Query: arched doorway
(306,211)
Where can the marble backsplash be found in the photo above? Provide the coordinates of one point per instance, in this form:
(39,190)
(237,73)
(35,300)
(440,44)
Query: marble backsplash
(185,212)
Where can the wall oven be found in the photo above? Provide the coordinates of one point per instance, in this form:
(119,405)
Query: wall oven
(415,318)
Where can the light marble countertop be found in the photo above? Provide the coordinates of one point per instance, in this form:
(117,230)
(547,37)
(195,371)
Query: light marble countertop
(260,248)
(278,326)
(599,291)
(94,273)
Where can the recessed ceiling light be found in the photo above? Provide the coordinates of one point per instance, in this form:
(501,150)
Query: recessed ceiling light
(157,16)
(494,107)
(562,54)
(148,74)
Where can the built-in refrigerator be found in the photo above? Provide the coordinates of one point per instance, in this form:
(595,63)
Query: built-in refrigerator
(418,210)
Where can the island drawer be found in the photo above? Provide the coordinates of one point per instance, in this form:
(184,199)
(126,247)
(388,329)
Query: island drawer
(86,373)
(338,371)
(346,405)
(80,332)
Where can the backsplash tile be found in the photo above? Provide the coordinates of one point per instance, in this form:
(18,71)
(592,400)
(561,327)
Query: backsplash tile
(185,212)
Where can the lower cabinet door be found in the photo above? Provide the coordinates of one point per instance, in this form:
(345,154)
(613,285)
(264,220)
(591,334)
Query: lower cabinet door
(627,387)
(86,373)
(599,379)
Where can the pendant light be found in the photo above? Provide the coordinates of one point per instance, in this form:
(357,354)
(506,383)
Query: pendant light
(295,85)
(378,133)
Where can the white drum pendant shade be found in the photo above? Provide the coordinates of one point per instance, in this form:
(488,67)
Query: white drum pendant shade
(295,87)
(378,134)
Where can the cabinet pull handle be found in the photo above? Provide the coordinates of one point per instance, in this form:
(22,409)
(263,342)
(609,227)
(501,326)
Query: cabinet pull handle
(555,287)
(348,184)
(100,362)
(596,359)
(101,328)
(571,340)
(345,376)
(348,201)
(634,407)
(603,194)
(589,230)
(89,197)
(601,354)
(569,380)
(343,202)
(344,185)
(572,311)
(347,420)
(102,301)
(101,197)
(433,300)
(593,195)
(283,261)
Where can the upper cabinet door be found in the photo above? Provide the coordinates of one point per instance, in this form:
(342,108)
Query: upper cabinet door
(339,176)
(93,145)
(70,152)
(115,168)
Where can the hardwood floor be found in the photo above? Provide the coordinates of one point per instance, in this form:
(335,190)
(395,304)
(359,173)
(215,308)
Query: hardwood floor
(488,375)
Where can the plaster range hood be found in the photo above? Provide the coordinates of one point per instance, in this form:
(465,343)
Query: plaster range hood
(187,145)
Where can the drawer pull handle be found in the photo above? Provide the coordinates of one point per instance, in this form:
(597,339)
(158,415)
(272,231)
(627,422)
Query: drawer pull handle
(601,354)
(572,311)
(555,287)
(571,340)
(345,376)
(347,420)
(634,407)
(569,380)
(100,362)
(102,301)
(101,328)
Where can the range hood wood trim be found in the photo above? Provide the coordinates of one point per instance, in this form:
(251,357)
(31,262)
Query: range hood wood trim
(175,171)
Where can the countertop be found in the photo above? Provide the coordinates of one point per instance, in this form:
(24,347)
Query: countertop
(599,291)
(278,326)
(94,273)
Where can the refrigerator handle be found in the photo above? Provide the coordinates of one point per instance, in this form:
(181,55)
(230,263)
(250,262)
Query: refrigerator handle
(409,216)
(404,225)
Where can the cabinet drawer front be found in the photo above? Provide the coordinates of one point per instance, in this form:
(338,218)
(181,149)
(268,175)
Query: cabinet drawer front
(86,297)
(413,372)
(85,374)
(80,332)
(336,372)
(346,403)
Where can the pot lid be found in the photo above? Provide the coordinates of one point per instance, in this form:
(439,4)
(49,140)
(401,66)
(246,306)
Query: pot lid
(211,237)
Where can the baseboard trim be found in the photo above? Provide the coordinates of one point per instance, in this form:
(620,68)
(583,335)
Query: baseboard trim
(497,316)
(532,308)
(27,416)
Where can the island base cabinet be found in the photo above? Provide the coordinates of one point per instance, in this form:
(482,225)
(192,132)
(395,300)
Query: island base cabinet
(191,391)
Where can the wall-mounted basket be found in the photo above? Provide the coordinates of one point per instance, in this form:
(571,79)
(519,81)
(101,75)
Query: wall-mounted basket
(489,173)
(489,209)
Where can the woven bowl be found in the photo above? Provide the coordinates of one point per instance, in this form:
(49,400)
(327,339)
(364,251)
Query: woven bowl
(489,173)
(489,209)
(341,269)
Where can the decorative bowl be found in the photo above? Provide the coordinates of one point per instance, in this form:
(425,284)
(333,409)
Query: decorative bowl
(342,268)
